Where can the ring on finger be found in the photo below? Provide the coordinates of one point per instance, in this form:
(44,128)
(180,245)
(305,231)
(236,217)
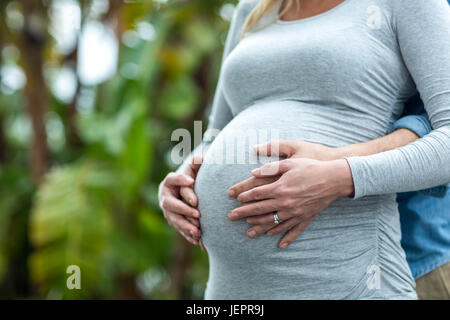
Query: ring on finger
(276,219)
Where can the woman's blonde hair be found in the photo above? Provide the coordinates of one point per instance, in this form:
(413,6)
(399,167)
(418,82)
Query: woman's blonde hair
(264,7)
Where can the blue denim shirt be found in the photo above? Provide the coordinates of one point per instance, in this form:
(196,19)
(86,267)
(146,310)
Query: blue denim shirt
(424,215)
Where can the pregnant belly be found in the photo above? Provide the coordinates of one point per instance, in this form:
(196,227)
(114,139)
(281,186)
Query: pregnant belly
(230,159)
(333,252)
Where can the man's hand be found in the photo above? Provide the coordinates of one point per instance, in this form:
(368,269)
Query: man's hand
(187,192)
(298,149)
(175,192)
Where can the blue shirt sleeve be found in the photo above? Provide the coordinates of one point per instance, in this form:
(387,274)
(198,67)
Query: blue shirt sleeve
(414,118)
(419,124)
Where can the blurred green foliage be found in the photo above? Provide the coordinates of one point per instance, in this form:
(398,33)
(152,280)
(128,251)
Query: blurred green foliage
(96,204)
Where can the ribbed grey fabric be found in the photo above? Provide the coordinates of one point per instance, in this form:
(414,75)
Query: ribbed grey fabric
(338,78)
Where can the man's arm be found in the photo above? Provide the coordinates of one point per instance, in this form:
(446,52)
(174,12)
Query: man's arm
(406,130)
(396,139)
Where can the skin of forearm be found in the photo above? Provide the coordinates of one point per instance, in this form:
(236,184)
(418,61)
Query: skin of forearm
(396,139)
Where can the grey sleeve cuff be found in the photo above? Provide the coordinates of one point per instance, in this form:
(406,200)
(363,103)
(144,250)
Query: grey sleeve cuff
(420,165)
(357,168)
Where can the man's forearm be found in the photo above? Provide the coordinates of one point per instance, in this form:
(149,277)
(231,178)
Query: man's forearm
(396,139)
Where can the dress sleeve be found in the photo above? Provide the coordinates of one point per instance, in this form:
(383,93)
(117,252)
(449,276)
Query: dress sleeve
(221,113)
(422,28)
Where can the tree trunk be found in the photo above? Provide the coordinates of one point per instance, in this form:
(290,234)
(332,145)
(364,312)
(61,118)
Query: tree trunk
(32,45)
(127,288)
(3,151)
(72,137)
(181,262)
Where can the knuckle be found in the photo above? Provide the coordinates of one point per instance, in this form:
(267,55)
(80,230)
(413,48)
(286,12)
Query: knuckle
(299,212)
(292,224)
(171,176)
(185,236)
(281,190)
(250,182)
(164,203)
(277,191)
(287,163)
(190,213)
(258,229)
(283,204)
(288,203)
(161,202)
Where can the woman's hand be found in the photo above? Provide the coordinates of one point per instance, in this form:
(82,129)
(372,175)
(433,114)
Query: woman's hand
(289,149)
(175,191)
(306,187)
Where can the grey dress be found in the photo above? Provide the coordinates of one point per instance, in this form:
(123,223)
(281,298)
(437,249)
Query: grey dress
(338,78)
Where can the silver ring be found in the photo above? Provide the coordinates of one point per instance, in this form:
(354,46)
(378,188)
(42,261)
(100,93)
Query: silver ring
(276,220)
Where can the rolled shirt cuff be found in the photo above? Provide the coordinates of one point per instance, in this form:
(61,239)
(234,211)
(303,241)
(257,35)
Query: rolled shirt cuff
(416,123)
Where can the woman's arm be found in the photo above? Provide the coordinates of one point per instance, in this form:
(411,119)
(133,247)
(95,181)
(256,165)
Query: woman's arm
(221,113)
(176,194)
(423,33)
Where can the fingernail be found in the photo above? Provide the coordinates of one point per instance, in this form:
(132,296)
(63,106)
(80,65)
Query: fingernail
(234,214)
(231,193)
(284,245)
(194,234)
(190,201)
(197,214)
(255,171)
(252,233)
(190,180)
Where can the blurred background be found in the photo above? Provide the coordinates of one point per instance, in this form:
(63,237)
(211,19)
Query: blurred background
(90,92)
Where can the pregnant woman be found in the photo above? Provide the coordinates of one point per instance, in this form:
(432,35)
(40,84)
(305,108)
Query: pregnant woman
(339,73)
